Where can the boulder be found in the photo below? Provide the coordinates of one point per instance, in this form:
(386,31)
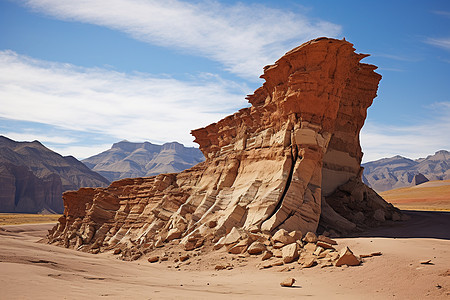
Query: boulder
(310,237)
(256,248)
(267,254)
(173,233)
(282,236)
(288,282)
(290,252)
(346,257)
(153,259)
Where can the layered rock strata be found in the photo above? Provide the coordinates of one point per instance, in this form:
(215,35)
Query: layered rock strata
(289,161)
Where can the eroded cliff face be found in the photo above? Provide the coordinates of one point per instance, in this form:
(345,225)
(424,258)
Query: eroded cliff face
(289,161)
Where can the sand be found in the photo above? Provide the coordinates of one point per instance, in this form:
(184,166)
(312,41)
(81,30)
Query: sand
(31,270)
(431,195)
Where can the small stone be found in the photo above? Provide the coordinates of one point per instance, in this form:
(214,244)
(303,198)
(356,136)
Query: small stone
(296,235)
(365,255)
(310,237)
(220,267)
(290,252)
(278,245)
(310,248)
(268,254)
(173,233)
(189,246)
(233,237)
(256,248)
(212,224)
(346,257)
(184,257)
(117,251)
(326,239)
(325,245)
(164,258)
(319,250)
(375,253)
(288,282)
(277,263)
(283,237)
(308,262)
(426,262)
(153,259)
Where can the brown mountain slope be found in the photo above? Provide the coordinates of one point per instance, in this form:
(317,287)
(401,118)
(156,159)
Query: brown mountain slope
(396,172)
(33,177)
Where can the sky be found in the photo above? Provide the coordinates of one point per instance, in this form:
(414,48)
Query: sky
(81,75)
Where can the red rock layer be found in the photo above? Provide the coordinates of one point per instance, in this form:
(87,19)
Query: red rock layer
(277,164)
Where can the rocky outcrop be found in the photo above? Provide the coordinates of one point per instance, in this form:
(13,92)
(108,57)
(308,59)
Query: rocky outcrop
(128,160)
(33,178)
(289,161)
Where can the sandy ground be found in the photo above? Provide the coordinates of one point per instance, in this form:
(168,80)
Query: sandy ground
(30,270)
(432,195)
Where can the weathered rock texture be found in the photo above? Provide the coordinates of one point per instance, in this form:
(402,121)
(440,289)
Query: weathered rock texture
(290,160)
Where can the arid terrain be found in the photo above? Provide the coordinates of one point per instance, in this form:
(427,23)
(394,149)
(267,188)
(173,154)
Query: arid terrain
(432,195)
(32,270)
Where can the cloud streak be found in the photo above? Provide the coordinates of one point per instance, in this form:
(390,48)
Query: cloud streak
(135,107)
(242,37)
(443,43)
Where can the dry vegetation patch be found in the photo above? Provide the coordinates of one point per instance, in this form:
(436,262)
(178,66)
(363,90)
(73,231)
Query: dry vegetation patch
(16,219)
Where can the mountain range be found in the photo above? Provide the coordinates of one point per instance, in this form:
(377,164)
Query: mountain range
(397,172)
(33,177)
(127,160)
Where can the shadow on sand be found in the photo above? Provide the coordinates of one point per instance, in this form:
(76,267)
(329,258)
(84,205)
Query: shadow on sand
(422,224)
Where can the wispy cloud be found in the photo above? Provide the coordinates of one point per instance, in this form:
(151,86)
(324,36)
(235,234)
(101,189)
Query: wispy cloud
(442,13)
(443,43)
(413,141)
(46,139)
(135,107)
(243,37)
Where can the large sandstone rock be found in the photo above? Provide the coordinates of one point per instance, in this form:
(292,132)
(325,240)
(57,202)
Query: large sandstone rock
(286,162)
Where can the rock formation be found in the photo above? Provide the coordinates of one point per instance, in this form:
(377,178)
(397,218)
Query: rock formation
(290,161)
(33,178)
(128,160)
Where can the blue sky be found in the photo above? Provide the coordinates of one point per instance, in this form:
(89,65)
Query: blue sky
(81,75)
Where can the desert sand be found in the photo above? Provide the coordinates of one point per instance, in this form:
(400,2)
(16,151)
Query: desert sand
(33,270)
(432,195)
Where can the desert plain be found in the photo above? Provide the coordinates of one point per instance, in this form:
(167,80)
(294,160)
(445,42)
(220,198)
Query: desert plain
(30,269)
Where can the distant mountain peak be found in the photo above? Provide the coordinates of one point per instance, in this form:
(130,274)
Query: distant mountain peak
(397,171)
(128,159)
(33,177)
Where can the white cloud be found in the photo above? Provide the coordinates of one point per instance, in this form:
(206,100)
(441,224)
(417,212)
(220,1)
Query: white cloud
(80,152)
(243,37)
(31,136)
(440,42)
(413,141)
(135,107)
